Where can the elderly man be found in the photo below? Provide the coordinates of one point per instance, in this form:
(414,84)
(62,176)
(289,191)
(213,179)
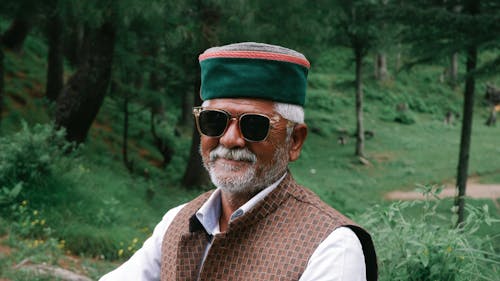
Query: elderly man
(259,224)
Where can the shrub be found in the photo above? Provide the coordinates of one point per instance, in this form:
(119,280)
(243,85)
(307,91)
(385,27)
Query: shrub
(8,195)
(426,247)
(405,117)
(29,223)
(29,156)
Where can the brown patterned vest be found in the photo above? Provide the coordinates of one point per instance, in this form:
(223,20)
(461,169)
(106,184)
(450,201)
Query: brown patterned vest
(272,241)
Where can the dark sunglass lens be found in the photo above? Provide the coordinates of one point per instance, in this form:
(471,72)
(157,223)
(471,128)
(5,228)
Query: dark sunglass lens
(212,123)
(254,127)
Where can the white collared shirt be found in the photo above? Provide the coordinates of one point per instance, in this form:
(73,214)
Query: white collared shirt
(338,258)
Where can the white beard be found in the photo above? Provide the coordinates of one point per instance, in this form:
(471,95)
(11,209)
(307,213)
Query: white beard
(230,178)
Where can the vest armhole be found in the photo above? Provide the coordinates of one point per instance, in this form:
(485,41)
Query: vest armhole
(368,252)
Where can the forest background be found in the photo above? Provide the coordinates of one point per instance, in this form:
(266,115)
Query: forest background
(97,139)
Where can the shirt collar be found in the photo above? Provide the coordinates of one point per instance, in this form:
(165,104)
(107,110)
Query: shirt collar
(210,211)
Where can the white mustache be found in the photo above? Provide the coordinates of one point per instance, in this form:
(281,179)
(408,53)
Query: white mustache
(237,154)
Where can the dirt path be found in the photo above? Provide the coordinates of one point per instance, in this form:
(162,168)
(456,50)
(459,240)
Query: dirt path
(474,190)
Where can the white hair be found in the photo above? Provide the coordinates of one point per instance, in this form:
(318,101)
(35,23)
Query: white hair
(292,112)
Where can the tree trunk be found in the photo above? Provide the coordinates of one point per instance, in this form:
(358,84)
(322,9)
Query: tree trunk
(15,35)
(453,70)
(128,164)
(450,74)
(75,47)
(163,145)
(1,84)
(465,139)
(187,110)
(360,133)
(188,100)
(195,174)
(381,66)
(398,62)
(472,7)
(84,93)
(55,58)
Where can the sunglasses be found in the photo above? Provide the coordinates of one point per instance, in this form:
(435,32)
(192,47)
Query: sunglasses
(254,127)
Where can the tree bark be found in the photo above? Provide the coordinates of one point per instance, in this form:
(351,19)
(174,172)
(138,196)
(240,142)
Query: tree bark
(84,93)
(187,110)
(381,66)
(15,35)
(453,71)
(472,7)
(75,47)
(465,139)
(360,133)
(55,58)
(397,62)
(195,174)
(162,145)
(1,84)
(128,164)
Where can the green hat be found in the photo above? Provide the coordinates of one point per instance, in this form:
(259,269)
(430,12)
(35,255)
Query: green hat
(254,70)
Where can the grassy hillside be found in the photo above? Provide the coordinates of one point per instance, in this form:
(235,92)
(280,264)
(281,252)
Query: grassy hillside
(92,207)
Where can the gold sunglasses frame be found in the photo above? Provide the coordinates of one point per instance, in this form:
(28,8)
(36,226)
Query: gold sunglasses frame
(272,120)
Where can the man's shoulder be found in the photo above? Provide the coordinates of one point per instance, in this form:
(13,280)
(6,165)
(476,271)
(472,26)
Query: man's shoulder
(308,199)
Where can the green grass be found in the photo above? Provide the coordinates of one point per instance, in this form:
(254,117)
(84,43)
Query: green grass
(98,208)
(401,155)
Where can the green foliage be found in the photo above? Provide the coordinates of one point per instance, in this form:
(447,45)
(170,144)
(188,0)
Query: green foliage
(28,157)
(8,195)
(110,212)
(427,246)
(405,117)
(86,240)
(38,251)
(355,24)
(3,226)
(29,222)
(456,26)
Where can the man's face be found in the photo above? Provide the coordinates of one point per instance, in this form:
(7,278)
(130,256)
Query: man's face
(236,165)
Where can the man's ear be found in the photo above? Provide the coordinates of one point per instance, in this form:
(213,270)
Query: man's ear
(297,139)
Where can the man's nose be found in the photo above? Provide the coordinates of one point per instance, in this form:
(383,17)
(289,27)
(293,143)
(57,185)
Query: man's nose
(232,137)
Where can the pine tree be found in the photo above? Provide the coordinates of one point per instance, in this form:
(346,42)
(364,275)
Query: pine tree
(436,31)
(355,25)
